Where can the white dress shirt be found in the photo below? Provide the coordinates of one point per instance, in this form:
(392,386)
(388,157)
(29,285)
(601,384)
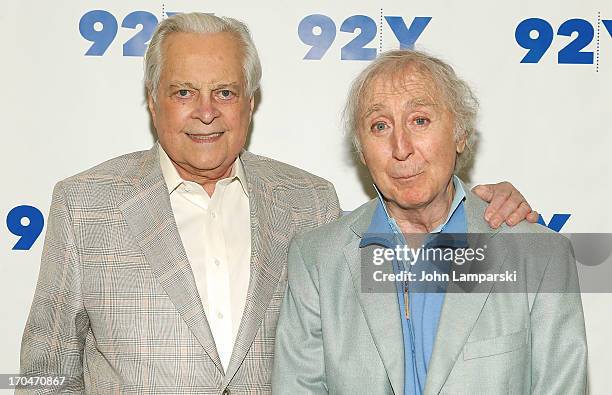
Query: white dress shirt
(216,234)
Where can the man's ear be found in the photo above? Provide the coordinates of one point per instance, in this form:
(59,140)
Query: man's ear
(362,158)
(461,142)
(357,143)
(151,105)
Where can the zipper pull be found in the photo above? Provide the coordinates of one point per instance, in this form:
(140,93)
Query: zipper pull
(406,303)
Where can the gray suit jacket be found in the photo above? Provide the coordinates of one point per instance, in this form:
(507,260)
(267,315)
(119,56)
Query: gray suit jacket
(116,307)
(334,338)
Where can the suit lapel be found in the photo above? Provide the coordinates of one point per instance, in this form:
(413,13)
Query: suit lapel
(271,231)
(147,211)
(381,309)
(462,307)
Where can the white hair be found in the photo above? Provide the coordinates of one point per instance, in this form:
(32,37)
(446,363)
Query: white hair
(197,22)
(456,94)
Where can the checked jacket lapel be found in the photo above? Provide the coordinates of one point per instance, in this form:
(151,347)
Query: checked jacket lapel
(147,211)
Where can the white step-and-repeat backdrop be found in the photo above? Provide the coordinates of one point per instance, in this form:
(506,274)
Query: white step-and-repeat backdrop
(72,96)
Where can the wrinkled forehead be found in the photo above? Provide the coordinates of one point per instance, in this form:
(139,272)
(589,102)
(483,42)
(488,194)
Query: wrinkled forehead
(409,84)
(180,48)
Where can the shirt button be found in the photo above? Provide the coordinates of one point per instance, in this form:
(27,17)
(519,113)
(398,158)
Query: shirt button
(217,262)
(226,391)
(219,315)
(213,215)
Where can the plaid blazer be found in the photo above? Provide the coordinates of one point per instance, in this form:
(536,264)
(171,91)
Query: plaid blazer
(116,308)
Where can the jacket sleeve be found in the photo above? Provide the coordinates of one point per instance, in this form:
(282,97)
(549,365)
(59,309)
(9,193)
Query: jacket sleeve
(57,325)
(559,347)
(299,366)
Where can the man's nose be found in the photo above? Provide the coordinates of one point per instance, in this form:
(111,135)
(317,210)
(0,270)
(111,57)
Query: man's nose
(402,144)
(206,110)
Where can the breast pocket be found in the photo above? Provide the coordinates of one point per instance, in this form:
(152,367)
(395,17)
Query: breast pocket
(495,346)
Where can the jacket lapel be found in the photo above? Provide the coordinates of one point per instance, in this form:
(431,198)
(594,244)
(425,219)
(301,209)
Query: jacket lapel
(381,309)
(147,211)
(462,307)
(271,231)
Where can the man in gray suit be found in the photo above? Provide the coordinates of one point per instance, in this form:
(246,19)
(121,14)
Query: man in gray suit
(163,271)
(344,328)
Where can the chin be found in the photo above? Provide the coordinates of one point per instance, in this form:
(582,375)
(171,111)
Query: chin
(203,161)
(411,204)
(215,165)
(412,199)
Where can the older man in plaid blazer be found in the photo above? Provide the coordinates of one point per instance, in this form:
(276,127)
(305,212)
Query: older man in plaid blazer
(163,271)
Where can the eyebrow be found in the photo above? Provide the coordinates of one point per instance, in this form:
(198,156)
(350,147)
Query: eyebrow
(221,85)
(183,84)
(372,109)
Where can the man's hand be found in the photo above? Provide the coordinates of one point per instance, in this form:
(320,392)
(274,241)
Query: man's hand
(505,204)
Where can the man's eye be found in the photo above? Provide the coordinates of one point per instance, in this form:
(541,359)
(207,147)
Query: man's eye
(379,127)
(420,121)
(183,93)
(225,94)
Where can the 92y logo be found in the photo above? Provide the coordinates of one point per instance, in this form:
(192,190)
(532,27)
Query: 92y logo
(556,222)
(319,32)
(27,223)
(536,35)
(100,27)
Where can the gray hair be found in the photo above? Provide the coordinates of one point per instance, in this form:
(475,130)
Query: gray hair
(457,95)
(197,22)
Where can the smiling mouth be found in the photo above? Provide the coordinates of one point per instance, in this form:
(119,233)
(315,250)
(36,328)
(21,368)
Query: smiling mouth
(205,138)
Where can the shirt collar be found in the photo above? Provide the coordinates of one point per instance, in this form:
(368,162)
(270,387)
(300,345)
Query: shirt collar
(380,230)
(173,180)
(457,199)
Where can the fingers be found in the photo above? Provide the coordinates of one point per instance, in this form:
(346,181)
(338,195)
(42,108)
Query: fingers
(500,193)
(485,192)
(533,216)
(521,212)
(506,204)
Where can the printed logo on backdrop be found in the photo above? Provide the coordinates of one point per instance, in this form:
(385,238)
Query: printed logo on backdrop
(100,27)
(556,222)
(25,222)
(362,35)
(536,35)
(318,31)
